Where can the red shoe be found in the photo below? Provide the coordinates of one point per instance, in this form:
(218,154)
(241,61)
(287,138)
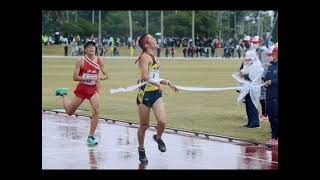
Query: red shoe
(273,142)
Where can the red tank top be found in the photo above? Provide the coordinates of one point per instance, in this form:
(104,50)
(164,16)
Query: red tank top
(89,69)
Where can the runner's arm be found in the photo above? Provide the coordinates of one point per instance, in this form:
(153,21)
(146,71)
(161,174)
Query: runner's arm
(168,82)
(104,72)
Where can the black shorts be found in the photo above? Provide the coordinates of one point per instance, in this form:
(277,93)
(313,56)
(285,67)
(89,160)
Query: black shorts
(149,97)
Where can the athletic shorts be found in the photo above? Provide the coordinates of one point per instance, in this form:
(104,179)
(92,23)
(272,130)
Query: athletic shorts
(85,91)
(148,98)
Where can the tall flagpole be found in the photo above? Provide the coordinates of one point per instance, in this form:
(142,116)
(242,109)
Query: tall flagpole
(193,29)
(130,27)
(147,23)
(235,25)
(161,28)
(92,17)
(99,32)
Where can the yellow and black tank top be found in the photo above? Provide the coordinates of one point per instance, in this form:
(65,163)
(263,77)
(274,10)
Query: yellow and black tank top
(154,72)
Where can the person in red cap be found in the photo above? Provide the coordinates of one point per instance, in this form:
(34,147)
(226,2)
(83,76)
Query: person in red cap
(150,95)
(87,73)
(271,79)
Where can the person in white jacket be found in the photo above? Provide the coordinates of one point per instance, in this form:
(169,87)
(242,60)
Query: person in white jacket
(252,72)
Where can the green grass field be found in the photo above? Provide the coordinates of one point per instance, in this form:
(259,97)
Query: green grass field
(58,50)
(214,112)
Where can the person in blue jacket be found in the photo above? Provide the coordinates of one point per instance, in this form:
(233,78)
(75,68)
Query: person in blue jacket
(271,79)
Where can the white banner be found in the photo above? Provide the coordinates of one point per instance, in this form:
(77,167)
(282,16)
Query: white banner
(128,89)
(197,89)
(246,85)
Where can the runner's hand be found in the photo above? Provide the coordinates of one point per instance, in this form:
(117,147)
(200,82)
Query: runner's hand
(173,87)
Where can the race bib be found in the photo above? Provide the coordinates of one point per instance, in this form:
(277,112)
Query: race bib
(155,74)
(89,82)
